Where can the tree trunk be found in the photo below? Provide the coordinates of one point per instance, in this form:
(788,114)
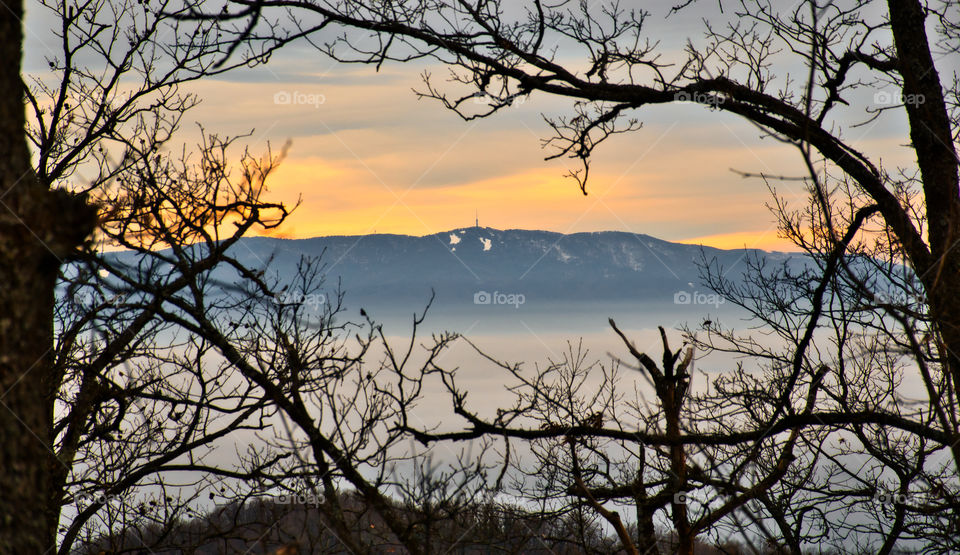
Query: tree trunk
(945,307)
(672,404)
(932,140)
(38,228)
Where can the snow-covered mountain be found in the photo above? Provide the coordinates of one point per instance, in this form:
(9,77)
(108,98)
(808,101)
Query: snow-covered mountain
(481,265)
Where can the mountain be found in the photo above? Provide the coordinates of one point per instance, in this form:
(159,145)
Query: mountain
(482,265)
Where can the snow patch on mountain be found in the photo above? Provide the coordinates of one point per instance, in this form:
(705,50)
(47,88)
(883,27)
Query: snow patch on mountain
(633,262)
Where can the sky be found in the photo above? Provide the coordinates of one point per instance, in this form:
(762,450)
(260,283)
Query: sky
(366,156)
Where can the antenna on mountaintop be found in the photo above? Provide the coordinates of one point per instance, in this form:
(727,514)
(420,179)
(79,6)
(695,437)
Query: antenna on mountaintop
(477,214)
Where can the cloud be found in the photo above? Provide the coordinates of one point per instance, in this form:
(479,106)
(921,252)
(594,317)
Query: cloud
(368,155)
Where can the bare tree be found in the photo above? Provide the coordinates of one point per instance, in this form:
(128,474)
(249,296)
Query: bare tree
(142,400)
(337,403)
(40,227)
(889,458)
(750,454)
(87,153)
(166,353)
(874,233)
(846,48)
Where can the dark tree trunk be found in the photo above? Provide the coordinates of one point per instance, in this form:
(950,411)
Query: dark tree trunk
(38,228)
(931,138)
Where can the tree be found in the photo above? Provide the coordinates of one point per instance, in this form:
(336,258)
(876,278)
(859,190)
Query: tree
(888,457)
(754,447)
(859,210)
(160,353)
(143,403)
(85,118)
(40,228)
(501,56)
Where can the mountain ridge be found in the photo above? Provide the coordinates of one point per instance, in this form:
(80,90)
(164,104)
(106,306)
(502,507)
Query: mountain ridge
(542,266)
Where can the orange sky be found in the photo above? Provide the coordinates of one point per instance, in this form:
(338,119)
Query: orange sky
(371,158)
(368,156)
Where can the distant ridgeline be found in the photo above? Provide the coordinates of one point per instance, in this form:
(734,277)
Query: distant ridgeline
(484,266)
(489,266)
